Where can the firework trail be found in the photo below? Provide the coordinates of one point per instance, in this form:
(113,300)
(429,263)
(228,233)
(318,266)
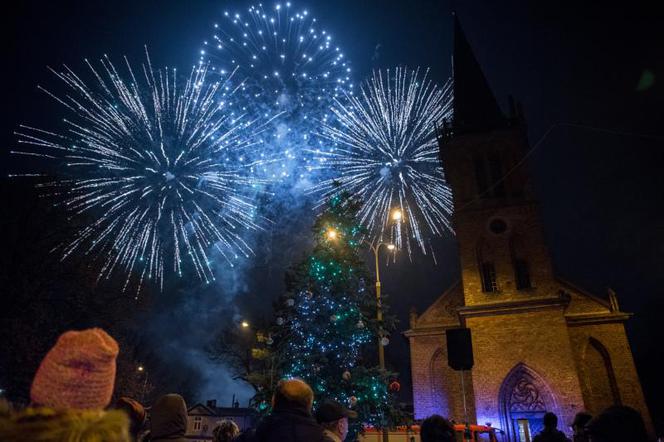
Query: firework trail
(386,153)
(287,64)
(160,170)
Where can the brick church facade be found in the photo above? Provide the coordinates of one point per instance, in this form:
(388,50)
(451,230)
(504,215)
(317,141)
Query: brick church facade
(540,343)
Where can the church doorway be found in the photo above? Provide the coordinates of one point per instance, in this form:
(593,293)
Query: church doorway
(524,398)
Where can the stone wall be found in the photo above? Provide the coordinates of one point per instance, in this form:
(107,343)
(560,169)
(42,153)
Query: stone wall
(536,339)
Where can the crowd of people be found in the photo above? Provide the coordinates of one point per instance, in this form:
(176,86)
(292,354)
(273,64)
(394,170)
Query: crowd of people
(71,401)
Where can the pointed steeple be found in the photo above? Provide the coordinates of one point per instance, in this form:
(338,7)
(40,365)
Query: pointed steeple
(475,107)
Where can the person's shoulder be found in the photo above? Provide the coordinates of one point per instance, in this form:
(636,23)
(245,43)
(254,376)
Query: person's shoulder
(248,435)
(562,437)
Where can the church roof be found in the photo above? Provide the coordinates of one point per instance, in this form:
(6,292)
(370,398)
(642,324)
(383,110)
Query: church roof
(475,107)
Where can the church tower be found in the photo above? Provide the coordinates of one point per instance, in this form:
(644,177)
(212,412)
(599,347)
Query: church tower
(502,248)
(540,343)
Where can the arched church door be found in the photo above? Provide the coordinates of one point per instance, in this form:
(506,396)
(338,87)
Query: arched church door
(524,398)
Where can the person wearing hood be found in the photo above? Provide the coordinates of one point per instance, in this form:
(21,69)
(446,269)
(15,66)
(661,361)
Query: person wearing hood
(168,419)
(291,419)
(72,387)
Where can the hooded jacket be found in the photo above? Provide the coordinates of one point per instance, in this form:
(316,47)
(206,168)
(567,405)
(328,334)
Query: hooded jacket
(289,425)
(168,419)
(49,425)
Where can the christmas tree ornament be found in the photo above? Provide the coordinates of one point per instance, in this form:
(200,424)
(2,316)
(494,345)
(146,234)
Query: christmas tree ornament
(359,324)
(280,320)
(333,318)
(353,401)
(384,341)
(395,386)
(346,375)
(290,302)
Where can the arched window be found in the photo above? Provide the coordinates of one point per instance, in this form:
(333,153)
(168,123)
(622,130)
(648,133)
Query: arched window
(443,389)
(600,379)
(489,175)
(524,398)
(486,266)
(438,372)
(520,262)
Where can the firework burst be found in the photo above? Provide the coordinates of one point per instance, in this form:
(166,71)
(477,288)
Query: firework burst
(158,169)
(386,153)
(286,64)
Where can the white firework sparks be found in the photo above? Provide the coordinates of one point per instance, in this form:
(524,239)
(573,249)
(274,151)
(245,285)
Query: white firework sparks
(386,153)
(158,169)
(287,64)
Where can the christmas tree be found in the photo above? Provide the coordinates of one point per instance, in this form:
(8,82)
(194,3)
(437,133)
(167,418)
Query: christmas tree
(324,329)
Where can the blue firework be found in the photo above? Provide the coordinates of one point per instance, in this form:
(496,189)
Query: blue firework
(160,169)
(285,64)
(386,153)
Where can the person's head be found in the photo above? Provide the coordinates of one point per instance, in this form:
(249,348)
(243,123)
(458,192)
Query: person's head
(71,425)
(136,413)
(168,417)
(436,428)
(78,372)
(225,431)
(617,423)
(333,416)
(550,420)
(293,393)
(580,421)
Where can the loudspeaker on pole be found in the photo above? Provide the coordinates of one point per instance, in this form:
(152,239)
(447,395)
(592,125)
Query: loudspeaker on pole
(459,348)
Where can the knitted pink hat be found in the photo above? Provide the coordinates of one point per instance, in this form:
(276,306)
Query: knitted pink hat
(78,372)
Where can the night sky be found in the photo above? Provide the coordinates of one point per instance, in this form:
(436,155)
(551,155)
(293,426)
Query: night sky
(583,63)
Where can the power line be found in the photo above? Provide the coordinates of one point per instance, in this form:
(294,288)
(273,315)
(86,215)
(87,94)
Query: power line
(539,143)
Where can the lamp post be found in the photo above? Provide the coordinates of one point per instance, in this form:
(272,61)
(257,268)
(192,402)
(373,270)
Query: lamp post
(396,217)
(141,370)
(332,234)
(375,248)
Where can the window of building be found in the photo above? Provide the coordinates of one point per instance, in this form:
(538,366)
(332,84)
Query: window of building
(489,277)
(198,421)
(481,177)
(522,274)
(496,172)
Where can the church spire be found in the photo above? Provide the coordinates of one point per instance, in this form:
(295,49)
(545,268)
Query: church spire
(475,107)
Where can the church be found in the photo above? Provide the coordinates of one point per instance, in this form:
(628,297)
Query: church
(539,342)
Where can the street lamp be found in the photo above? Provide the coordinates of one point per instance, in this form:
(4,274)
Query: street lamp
(244,324)
(379,310)
(375,248)
(141,370)
(332,234)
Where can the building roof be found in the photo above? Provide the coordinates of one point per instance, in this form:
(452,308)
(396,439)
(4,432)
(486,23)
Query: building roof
(475,107)
(205,410)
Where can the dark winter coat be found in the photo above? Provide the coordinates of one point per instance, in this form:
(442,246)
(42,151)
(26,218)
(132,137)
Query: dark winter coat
(168,419)
(289,425)
(551,435)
